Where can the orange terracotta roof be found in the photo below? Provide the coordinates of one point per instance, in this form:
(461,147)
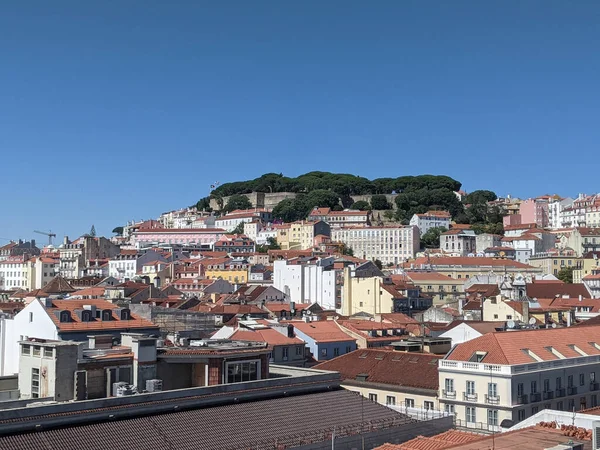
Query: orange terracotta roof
(511,347)
(268,335)
(426,276)
(75,323)
(470,261)
(322,331)
(444,440)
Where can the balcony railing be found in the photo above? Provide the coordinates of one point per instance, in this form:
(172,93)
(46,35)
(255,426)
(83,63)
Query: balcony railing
(548,395)
(492,399)
(448,394)
(522,399)
(469,397)
(594,386)
(535,397)
(560,392)
(572,390)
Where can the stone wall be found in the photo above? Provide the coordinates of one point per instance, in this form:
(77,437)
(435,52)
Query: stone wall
(266,200)
(367,198)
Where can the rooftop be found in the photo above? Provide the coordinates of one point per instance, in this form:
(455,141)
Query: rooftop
(414,370)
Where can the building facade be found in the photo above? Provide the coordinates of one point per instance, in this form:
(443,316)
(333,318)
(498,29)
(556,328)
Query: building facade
(431,219)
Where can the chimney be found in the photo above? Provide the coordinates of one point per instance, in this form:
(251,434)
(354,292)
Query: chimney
(290,331)
(526,311)
(580,297)
(66,240)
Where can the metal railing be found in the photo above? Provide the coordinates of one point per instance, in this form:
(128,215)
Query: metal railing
(522,399)
(572,390)
(469,397)
(448,394)
(480,426)
(535,397)
(548,395)
(560,392)
(492,399)
(594,386)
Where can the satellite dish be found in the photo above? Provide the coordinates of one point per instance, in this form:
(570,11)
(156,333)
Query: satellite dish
(553,325)
(532,321)
(510,324)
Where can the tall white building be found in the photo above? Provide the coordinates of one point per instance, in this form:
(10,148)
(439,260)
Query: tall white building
(390,245)
(431,219)
(555,211)
(511,375)
(309,281)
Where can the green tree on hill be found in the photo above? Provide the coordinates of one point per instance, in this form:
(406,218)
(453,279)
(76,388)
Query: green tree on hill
(361,205)
(237,201)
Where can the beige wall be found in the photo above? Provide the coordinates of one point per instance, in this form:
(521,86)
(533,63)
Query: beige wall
(432,288)
(494,309)
(399,397)
(365,295)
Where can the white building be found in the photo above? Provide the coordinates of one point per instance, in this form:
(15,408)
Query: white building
(123,266)
(16,272)
(45,269)
(431,219)
(458,242)
(468,330)
(313,281)
(511,375)
(555,211)
(231,221)
(259,233)
(390,245)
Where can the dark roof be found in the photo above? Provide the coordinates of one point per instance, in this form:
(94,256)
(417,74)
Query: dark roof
(416,370)
(282,421)
(58,285)
(550,290)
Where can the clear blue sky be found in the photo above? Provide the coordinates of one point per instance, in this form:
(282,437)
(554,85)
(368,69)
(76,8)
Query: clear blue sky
(122,109)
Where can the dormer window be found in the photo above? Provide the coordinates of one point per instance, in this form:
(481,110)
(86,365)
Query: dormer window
(125,314)
(106,315)
(477,356)
(65,316)
(86,316)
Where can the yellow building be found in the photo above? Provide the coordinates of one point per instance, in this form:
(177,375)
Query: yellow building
(552,263)
(301,235)
(443,289)
(586,265)
(462,268)
(233,275)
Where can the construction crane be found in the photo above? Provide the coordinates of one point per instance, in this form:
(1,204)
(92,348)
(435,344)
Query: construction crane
(50,235)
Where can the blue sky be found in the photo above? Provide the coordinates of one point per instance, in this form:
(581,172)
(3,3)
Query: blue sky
(122,109)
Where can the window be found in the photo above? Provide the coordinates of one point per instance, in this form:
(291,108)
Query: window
(25,350)
(581,379)
(449,384)
(571,404)
(592,377)
(470,387)
(534,387)
(390,400)
(299,351)
(570,381)
(582,403)
(36,350)
(495,316)
(373,397)
(428,405)
(470,413)
(243,371)
(492,390)
(492,417)
(30,317)
(409,402)
(323,352)
(35,383)
(594,400)
(285,352)
(348,349)
(520,389)
(521,414)
(535,409)
(559,405)
(546,385)
(558,383)
(336,351)
(449,408)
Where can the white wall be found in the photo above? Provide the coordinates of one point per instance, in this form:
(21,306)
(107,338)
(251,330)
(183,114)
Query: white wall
(461,333)
(305,283)
(40,326)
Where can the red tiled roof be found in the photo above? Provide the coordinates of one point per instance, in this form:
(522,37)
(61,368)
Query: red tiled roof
(277,307)
(416,370)
(509,347)
(428,276)
(549,290)
(471,261)
(322,331)
(75,323)
(268,335)
(444,440)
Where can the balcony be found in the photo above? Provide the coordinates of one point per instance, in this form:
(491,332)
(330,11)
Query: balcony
(536,397)
(448,394)
(560,392)
(469,397)
(571,390)
(594,386)
(492,399)
(549,395)
(522,399)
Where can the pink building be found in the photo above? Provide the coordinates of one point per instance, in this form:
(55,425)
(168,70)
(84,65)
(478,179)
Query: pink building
(535,210)
(511,219)
(147,237)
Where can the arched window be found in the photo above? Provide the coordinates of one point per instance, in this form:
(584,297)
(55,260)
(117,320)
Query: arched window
(106,315)
(125,314)
(65,316)
(86,316)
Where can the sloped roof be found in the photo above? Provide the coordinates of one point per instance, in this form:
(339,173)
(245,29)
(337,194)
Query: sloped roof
(439,441)
(268,335)
(58,285)
(549,290)
(417,370)
(322,331)
(511,347)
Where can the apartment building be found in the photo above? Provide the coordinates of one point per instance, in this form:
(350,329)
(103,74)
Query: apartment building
(555,211)
(345,218)
(502,378)
(390,245)
(554,262)
(431,219)
(458,242)
(232,220)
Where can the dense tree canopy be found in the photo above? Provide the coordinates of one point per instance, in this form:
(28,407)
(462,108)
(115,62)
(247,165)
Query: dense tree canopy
(237,201)
(421,200)
(480,196)
(565,274)
(118,231)
(361,205)
(344,185)
(203,204)
(378,201)
(431,239)
(290,210)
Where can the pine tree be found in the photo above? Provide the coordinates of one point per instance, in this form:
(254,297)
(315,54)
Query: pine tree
(93,231)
